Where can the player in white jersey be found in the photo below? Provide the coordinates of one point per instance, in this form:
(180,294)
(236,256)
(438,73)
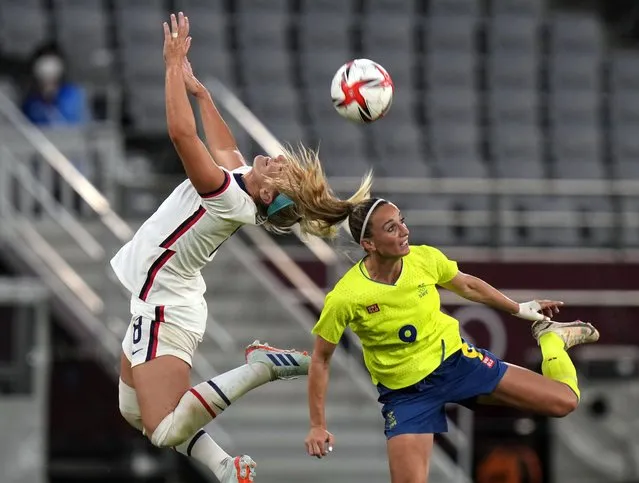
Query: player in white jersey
(161,268)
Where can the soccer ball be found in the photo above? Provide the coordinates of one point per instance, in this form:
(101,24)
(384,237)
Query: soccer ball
(362,91)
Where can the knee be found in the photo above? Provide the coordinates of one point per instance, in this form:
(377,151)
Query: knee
(564,404)
(172,431)
(128,405)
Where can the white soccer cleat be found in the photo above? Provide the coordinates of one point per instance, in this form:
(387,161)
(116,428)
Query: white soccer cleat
(283,364)
(240,469)
(572,333)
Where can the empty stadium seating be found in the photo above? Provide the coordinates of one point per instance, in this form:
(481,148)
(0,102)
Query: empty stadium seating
(478,93)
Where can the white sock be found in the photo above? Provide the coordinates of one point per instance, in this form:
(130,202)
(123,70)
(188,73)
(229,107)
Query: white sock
(202,403)
(202,448)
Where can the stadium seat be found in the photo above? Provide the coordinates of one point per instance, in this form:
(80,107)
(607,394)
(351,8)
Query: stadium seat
(624,70)
(143,63)
(85,44)
(137,23)
(516,151)
(455,140)
(625,150)
(577,151)
(391,7)
(575,71)
(341,7)
(213,62)
(530,9)
(514,35)
(511,70)
(341,143)
(273,103)
(573,106)
(196,8)
(24,26)
(325,32)
(462,8)
(388,31)
(319,67)
(262,30)
(450,105)
(399,149)
(266,67)
(519,217)
(513,106)
(146,104)
(262,6)
(576,33)
(207,26)
(288,131)
(452,70)
(450,34)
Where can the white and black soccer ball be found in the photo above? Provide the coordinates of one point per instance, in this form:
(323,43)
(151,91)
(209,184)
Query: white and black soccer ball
(362,91)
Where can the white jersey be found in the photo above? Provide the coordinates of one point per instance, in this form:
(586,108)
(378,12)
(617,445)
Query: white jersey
(161,265)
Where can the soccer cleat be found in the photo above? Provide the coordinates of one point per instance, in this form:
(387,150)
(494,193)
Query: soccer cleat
(240,469)
(572,333)
(283,364)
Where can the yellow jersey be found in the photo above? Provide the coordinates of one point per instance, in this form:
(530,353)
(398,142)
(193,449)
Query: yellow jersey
(404,333)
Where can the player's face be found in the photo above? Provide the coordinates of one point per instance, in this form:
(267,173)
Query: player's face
(267,167)
(389,233)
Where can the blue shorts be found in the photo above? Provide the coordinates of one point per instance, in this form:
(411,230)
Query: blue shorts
(419,408)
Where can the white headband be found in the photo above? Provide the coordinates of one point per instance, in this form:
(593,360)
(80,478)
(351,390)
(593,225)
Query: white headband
(368,215)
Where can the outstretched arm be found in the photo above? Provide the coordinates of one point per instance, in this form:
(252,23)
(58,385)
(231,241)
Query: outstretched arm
(318,437)
(200,167)
(475,289)
(219,138)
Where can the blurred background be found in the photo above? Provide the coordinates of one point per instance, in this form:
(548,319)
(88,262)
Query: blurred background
(511,144)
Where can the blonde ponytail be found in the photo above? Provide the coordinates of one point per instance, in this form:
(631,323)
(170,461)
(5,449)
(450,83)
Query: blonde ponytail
(317,210)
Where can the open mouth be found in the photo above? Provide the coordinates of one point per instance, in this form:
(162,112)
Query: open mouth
(404,244)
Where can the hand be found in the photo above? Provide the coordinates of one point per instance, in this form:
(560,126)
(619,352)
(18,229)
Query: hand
(319,442)
(538,309)
(193,85)
(176,39)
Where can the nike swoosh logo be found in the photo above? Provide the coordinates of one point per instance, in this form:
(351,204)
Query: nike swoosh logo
(135,352)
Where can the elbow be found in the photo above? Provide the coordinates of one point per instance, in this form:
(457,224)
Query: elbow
(181,137)
(320,362)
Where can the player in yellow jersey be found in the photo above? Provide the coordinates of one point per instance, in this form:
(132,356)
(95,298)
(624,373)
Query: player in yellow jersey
(415,353)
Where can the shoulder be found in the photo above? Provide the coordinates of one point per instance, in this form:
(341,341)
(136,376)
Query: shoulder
(346,287)
(71,92)
(426,253)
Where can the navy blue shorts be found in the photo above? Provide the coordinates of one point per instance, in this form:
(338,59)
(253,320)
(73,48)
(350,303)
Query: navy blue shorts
(419,408)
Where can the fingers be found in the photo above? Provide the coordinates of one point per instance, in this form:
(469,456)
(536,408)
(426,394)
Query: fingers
(550,307)
(187,26)
(174,26)
(187,45)
(167,32)
(330,440)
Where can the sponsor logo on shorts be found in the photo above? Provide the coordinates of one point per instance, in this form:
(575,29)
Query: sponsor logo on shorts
(391,422)
(372,309)
(488,361)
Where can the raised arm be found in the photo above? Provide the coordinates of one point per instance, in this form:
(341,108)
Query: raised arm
(219,138)
(200,167)
(475,289)
(319,441)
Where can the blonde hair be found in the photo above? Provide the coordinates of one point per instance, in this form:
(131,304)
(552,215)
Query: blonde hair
(316,208)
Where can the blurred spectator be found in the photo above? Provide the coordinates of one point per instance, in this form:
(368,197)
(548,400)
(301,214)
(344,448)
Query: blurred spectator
(52,100)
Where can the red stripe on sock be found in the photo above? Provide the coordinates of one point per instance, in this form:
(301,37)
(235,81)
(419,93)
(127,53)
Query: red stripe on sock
(201,399)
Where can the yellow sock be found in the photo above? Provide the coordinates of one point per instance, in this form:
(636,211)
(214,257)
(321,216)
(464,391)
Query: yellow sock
(556,363)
